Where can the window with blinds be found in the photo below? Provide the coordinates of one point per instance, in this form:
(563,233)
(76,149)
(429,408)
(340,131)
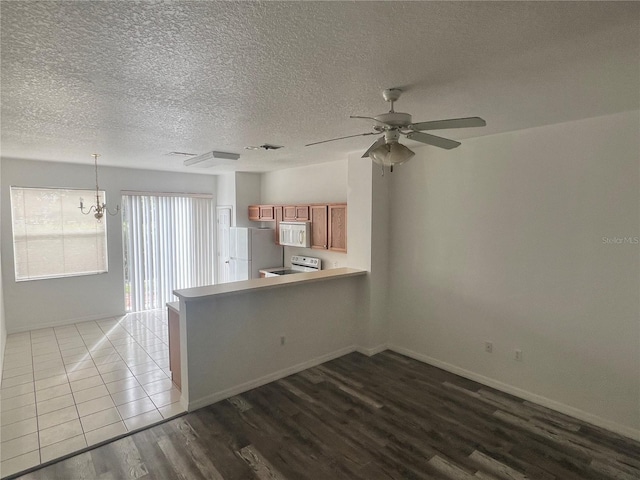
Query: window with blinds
(52,238)
(168,245)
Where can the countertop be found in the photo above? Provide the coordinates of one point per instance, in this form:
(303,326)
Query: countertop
(175,306)
(201,293)
(272,269)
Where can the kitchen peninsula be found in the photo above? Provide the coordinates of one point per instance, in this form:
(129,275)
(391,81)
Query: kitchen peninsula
(237,336)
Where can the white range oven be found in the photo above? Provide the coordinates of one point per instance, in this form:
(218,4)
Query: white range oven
(299,264)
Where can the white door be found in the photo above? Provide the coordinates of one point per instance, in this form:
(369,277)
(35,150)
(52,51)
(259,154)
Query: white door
(223,222)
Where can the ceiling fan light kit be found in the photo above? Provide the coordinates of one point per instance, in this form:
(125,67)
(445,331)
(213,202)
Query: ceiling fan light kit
(387,151)
(390,154)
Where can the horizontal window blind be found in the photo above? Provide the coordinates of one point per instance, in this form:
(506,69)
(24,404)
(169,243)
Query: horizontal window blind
(52,238)
(169,244)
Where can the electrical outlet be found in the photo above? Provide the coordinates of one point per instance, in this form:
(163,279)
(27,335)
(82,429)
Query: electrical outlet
(518,355)
(282,340)
(488,347)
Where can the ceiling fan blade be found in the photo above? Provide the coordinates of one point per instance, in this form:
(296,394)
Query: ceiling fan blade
(341,138)
(450,123)
(433,140)
(375,144)
(365,118)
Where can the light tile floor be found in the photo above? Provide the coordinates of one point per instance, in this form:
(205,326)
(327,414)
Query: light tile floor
(66,388)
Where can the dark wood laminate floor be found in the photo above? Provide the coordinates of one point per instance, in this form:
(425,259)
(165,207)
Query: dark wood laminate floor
(384,417)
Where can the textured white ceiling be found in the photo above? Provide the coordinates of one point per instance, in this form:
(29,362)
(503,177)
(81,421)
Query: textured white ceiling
(136,80)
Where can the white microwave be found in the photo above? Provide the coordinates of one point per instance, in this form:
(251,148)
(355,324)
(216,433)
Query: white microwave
(295,234)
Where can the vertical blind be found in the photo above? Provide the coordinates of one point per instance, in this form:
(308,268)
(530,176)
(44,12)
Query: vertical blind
(168,245)
(52,238)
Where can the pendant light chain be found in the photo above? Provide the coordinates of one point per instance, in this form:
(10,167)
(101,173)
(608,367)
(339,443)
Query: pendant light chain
(98,208)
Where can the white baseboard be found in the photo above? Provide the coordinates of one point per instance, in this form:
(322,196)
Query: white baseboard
(523,394)
(243,387)
(68,321)
(370,352)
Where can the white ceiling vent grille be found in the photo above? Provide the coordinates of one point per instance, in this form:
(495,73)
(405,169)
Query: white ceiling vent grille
(264,146)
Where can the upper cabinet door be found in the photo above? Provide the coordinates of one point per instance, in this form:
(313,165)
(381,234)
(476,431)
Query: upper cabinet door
(338,228)
(254,212)
(302,213)
(295,213)
(277,213)
(288,213)
(266,213)
(261,213)
(318,226)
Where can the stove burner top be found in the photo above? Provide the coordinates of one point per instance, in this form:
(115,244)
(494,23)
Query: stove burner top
(299,264)
(285,272)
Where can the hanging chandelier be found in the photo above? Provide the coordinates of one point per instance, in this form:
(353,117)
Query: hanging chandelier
(98,208)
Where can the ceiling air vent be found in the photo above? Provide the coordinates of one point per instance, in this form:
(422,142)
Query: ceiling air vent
(179,154)
(265,146)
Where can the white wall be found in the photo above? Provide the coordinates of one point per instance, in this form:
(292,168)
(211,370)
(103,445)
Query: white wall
(40,303)
(247,193)
(226,193)
(376,335)
(3,327)
(502,240)
(239,190)
(319,183)
(234,340)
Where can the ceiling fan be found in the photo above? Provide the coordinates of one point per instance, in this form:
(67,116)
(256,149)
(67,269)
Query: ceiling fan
(386,151)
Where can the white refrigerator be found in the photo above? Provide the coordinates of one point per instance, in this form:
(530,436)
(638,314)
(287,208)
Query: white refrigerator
(250,250)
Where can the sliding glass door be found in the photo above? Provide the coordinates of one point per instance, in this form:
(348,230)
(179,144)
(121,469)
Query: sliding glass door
(168,244)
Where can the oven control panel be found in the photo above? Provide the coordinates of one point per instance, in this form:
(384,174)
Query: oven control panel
(311,262)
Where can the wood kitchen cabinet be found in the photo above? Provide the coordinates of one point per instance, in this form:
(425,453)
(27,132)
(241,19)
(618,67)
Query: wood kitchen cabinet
(288,213)
(302,213)
(266,213)
(277,213)
(295,213)
(337,231)
(174,344)
(261,213)
(254,212)
(319,231)
(329,227)
(328,222)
